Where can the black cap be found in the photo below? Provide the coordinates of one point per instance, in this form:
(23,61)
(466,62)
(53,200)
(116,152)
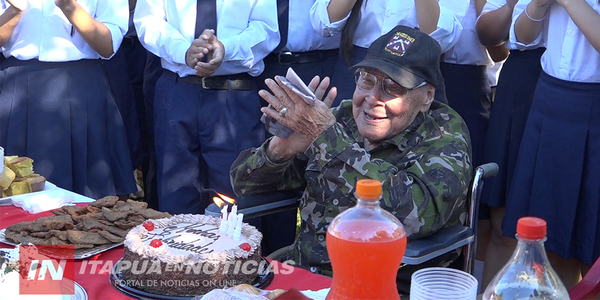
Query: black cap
(407,55)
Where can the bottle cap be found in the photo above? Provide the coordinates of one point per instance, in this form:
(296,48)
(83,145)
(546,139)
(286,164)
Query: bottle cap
(368,189)
(531,228)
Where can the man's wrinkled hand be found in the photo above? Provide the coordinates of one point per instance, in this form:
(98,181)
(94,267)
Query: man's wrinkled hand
(307,121)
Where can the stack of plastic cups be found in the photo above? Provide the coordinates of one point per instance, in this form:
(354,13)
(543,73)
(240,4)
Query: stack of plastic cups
(443,284)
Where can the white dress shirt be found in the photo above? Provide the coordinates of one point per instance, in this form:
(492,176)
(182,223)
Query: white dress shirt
(302,36)
(468,50)
(45,33)
(569,55)
(247,28)
(378,17)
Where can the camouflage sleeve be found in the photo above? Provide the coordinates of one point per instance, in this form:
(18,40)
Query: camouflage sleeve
(252,173)
(425,186)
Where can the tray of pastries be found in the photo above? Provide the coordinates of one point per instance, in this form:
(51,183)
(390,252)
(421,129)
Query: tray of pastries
(99,226)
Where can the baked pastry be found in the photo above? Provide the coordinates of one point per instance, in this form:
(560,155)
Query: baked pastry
(6,178)
(22,166)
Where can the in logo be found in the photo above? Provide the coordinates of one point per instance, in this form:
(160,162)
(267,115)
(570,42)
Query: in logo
(46,269)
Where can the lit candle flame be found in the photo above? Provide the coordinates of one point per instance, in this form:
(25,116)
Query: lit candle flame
(222,199)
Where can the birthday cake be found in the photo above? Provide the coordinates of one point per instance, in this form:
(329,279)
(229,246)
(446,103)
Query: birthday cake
(189,255)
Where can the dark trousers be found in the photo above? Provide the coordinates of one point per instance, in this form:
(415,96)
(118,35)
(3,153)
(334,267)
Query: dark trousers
(198,134)
(469,93)
(152,71)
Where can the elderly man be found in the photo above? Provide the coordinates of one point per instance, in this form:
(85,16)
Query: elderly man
(392,130)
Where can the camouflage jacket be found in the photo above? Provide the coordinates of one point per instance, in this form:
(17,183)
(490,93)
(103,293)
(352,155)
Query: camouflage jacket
(425,171)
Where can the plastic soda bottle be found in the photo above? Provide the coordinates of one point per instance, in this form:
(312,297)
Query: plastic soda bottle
(528,274)
(365,245)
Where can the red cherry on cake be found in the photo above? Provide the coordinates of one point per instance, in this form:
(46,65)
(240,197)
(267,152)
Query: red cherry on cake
(148,225)
(156,243)
(245,247)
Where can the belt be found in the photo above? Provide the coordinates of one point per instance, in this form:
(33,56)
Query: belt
(288,58)
(241,82)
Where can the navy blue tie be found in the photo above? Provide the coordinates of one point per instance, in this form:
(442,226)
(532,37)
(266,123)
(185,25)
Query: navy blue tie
(206,16)
(283,11)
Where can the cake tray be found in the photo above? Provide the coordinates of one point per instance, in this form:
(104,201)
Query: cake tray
(79,253)
(264,278)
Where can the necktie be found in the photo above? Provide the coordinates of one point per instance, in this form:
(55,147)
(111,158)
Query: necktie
(206,16)
(283,11)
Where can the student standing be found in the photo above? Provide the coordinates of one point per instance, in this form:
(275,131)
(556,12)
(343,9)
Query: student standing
(55,104)
(556,176)
(206,105)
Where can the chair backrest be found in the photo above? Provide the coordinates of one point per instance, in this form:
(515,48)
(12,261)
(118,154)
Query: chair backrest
(457,236)
(481,172)
(589,286)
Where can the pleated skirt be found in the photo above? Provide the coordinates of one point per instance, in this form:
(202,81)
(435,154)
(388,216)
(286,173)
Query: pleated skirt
(557,176)
(62,115)
(514,94)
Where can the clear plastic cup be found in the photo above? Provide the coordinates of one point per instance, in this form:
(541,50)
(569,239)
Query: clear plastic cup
(443,284)
(1,159)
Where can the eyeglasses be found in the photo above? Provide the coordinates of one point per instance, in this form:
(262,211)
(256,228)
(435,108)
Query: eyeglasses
(367,81)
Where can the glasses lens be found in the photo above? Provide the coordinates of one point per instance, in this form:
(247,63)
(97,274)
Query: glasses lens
(368,81)
(365,80)
(391,88)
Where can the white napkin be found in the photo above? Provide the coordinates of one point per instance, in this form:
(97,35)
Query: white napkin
(316,295)
(43,201)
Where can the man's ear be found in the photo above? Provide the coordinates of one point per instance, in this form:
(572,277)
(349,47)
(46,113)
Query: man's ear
(429,97)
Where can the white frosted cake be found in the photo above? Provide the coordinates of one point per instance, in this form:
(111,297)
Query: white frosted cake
(188,255)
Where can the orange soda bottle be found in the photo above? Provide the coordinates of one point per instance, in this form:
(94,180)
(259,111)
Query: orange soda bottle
(365,245)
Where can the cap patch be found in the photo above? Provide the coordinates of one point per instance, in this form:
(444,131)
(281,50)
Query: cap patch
(399,43)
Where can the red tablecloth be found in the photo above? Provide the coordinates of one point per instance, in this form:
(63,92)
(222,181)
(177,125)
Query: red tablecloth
(98,286)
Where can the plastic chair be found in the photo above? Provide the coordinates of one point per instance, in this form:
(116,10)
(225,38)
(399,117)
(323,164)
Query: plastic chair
(589,286)
(417,251)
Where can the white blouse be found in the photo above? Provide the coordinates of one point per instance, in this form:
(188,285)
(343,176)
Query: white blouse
(569,55)
(45,33)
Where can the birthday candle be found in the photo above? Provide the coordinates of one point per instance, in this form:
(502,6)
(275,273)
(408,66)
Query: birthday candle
(224,223)
(232,221)
(237,234)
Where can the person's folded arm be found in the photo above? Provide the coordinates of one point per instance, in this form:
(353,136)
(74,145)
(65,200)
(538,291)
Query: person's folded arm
(157,35)
(9,19)
(493,26)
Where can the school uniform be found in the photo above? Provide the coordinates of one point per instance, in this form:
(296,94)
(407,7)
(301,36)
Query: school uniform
(55,104)
(202,124)
(464,68)
(512,101)
(378,18)
(556,176)
(301,47)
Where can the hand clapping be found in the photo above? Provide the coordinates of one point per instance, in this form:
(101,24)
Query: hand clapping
(207,45)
